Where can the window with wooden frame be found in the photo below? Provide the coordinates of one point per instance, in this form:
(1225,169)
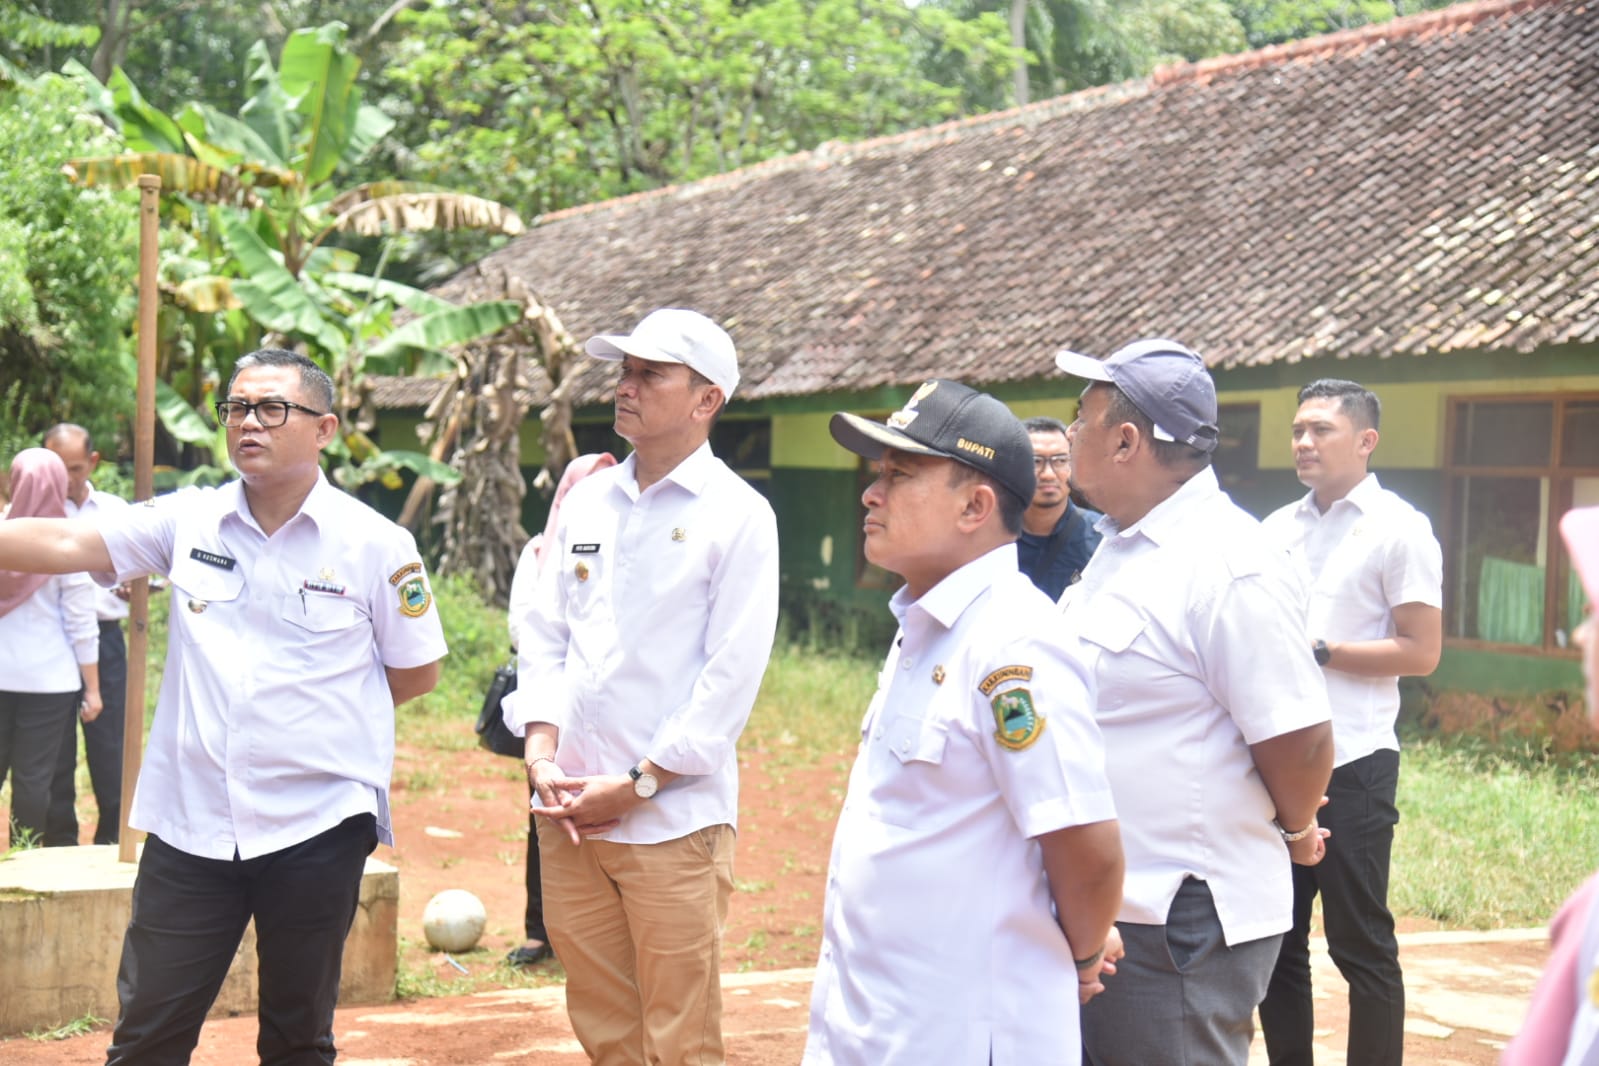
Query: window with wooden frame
(1513,466)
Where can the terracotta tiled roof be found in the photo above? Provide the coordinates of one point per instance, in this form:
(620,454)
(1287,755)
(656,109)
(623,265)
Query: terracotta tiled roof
(1424,186)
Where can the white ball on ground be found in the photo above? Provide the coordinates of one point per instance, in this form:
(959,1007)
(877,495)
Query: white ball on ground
(453,920)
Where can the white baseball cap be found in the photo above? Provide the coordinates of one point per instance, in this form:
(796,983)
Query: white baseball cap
(674,335)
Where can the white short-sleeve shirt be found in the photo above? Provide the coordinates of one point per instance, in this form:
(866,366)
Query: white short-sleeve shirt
(45,638)
(108,606)
(649,632)
(939,940)
(1198,621)
(1371,552)
(275,720)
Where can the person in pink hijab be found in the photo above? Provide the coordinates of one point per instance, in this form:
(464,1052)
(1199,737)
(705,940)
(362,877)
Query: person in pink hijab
(536,946)
(49,653)
(1562,1023)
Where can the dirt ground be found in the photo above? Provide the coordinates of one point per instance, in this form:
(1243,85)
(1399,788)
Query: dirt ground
(461,825)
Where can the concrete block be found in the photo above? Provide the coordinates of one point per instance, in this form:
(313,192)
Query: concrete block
(63,912)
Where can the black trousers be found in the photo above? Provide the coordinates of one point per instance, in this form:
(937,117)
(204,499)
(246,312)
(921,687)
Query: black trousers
(30,740)
(533,920)
(1353,883)
(189,915)
(102,750)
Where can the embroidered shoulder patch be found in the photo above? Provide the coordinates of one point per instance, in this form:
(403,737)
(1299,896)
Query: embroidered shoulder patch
(403,572)
(1018,722)
(1002,675)
(415,599)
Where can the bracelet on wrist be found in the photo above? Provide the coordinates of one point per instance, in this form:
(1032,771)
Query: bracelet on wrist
(1293,836)
(535,760)
(1088,963)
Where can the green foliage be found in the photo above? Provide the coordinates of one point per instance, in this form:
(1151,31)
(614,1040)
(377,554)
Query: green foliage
(76,1027)
(1268,22)
(66,258)
(1525,825)
(553,105)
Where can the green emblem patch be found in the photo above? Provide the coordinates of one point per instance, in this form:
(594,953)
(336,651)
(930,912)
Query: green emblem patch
(1019,723)
(415,599)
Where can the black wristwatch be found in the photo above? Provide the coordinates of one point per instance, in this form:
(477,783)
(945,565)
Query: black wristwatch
(1322,653)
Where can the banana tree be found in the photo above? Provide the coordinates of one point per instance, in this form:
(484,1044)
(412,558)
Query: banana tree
(259,196)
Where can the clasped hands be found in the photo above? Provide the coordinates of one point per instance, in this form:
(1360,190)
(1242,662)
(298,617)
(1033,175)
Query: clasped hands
(582,806)
(1089,978)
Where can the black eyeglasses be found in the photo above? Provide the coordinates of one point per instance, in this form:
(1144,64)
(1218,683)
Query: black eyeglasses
(1057,462)
(270,413)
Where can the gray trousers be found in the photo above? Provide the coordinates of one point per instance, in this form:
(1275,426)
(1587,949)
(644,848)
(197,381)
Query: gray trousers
(1181,997)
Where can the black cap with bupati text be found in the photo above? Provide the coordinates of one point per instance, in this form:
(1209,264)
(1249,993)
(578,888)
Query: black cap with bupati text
(952,421)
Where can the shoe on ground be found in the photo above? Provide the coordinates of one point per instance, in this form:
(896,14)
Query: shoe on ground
(526,956)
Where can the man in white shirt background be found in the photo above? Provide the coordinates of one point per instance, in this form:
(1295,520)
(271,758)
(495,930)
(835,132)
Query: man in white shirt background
(1214,715)
(102,735)
(649,632)
(1376,573)
(976,867)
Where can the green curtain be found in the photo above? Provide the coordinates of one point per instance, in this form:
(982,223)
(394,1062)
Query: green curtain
(1510,602)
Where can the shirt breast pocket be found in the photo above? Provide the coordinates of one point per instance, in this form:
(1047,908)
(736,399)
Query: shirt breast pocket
(318,612)
(913,778)
(203,597)
(1111,631)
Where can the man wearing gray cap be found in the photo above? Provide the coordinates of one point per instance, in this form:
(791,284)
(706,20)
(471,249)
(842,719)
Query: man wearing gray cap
(1215,717)
(976,867)
(646,640)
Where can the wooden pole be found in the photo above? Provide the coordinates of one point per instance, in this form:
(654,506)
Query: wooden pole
(143,487)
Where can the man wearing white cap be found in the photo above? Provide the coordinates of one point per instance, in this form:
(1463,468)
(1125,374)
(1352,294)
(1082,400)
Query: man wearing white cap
(648,634)
(1215,718)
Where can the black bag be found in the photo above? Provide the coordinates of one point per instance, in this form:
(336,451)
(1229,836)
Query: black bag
(492,733)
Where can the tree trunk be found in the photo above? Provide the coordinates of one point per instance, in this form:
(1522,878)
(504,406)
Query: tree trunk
(1018,40)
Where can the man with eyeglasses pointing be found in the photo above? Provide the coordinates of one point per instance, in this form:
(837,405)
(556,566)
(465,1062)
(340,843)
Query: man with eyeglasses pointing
(1058,537)
(300,619)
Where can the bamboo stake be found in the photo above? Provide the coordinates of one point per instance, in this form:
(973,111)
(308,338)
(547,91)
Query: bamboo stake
(143,461)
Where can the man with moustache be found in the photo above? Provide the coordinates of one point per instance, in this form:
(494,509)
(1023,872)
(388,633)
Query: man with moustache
(1214,715)
(977,867)
(1058,537)
(300,619)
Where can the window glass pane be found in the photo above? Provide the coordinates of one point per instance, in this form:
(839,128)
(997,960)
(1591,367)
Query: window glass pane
(1579,440)
(1496,568)
(1237,456)
(1504,434)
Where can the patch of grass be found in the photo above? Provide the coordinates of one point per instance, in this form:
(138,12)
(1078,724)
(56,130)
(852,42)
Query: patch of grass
(810,706)
(76,1027)
(431,975)
(1491,836)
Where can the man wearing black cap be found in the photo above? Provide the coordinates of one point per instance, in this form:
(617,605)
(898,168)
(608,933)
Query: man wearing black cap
(1215,717)
(977,865)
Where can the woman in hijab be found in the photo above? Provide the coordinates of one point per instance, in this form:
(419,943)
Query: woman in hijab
(49,653)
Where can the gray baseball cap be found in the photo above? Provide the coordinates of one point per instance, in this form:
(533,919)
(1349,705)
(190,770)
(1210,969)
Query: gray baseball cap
(952,421)
(1165,380)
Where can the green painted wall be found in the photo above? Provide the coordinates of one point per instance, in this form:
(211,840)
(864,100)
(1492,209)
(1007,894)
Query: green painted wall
(1504,674)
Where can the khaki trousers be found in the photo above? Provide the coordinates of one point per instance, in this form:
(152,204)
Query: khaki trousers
(638,928)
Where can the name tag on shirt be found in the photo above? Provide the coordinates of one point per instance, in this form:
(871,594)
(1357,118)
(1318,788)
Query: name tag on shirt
(585,549)
(212,559)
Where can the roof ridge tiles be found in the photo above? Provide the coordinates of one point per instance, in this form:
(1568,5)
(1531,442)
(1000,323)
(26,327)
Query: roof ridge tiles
(1445,18)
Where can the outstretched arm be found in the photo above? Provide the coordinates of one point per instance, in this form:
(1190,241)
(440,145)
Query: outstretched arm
(52,546)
